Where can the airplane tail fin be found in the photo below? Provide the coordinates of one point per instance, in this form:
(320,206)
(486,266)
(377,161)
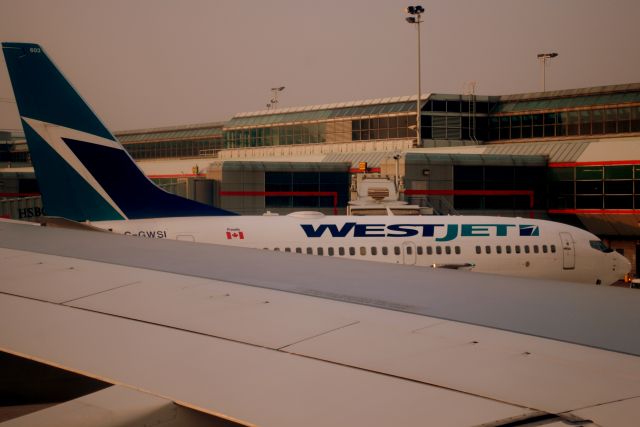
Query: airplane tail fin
(83,172)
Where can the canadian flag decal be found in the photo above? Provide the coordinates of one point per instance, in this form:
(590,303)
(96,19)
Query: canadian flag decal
(234,233)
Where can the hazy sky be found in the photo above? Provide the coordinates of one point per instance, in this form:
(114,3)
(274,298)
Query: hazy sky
(151,63)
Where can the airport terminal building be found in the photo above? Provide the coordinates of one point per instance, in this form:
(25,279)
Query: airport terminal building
(568,155)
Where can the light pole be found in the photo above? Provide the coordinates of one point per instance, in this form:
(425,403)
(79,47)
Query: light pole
(543,57)
(417,12)
(274,100)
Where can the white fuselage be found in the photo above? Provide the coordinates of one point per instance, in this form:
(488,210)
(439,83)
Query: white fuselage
(509,246)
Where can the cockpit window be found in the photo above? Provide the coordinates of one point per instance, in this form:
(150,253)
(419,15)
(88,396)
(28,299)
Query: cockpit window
(598,245)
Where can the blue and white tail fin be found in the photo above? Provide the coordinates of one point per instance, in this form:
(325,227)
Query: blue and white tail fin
(83,172)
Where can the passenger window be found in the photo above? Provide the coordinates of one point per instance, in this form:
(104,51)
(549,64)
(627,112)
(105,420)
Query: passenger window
(374,249)
(429,248)
(409,250)
(385,250)
(278,249)
(498,249)
(287,249)
(545,249)
(508,249)
(478,248)
(298,250)
(309,251)
(526,249)
(553,247)
(458,250)
(320,250)
(396,250)
(447,249)
(419,250)
(330,251)
(341,249)
(352,251)
(439,250)
(363,251)
(517,249)
(487,249)
(536,249)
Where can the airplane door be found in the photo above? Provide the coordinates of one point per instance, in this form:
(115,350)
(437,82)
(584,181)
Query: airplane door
(568,251)
(409,253)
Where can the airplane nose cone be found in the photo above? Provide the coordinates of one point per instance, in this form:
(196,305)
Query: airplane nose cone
(622,265)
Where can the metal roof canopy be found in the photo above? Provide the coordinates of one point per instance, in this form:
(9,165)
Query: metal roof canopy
(373,159)
(572,98)
(337,105)
(178,133)
(476,159)
(565,151)
(282,166)
(321,115)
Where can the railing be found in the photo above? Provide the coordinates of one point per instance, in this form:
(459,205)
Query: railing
(209,152)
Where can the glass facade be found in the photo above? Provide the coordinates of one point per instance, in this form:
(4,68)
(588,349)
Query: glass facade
(383,128)
(186,141)
(331,125)
(569,101)
(455,119)
(390,127)
(595,187)
(166,149)
(10,156)
(565,123)
(306,181)
(499,178)
(444,117)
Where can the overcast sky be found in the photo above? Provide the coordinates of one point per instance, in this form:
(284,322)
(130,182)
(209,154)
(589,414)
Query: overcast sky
(152,63)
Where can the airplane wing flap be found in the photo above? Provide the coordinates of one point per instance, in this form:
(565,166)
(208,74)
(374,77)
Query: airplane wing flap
(58,279)
(238,312)
(466,357)
(625,413)
(262,317)
(219,376)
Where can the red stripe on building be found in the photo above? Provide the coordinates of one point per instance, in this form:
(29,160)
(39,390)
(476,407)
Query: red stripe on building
(594,163)
(595,211)
(369,170)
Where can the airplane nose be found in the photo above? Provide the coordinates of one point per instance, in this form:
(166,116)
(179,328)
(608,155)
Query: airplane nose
(622,265)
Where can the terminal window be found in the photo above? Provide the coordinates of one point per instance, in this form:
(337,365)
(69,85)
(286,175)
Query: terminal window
(487,179)
(595,187)
(596,121)
(337,182)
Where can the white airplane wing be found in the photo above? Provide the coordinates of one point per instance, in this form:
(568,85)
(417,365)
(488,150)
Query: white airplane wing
(192,334)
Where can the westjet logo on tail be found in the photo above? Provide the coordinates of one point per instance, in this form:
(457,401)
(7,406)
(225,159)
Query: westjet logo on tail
(441,232)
